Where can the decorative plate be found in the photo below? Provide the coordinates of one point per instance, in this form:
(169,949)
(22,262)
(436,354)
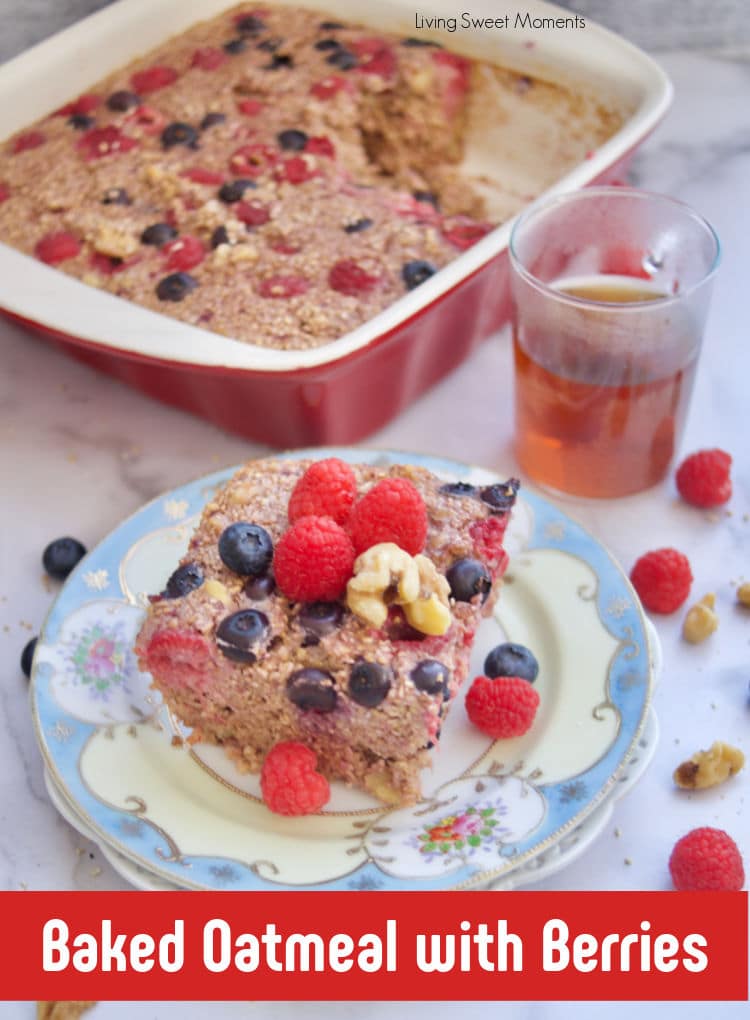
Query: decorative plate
(183,813)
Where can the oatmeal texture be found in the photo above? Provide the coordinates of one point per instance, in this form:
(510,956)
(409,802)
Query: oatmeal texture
(272,176)
(246,707)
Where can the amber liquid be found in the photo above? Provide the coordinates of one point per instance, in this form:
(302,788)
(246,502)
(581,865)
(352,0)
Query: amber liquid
(591,439)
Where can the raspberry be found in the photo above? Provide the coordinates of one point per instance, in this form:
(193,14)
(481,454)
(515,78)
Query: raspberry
(208,58)
(104,142)
(283,286)
(147,119)
(152,78)
(328,87)
(706,859)
(250,107)
(109,266)
(252,160)
(83,105)
(503,707)
(175,656)
(392,511)
(313,560)
(703,478)
(57,247)
(184,252)
(295,171)
(289,782)
(31,140)
(463,232)
(347,277)
(200,175)
(662,579)
(487,536)
(376,57)
(253,214)
(4,192)
(319,145)
(327,489)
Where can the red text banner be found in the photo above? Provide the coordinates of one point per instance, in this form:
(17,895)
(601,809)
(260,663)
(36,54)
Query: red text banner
(370,946)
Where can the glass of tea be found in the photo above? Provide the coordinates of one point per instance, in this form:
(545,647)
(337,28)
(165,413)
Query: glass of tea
(611,289)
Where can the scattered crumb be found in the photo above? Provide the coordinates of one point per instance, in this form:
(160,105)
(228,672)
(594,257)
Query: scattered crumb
(743,594)
(62,1010)
(72,458)
(177,741)
(25,624)
(712,518)
(96,872)
(47,583)
(6,628)
(617,833)
(628,861)
(23,885)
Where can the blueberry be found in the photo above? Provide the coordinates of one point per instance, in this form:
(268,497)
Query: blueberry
(27,656)
(246,549)
(175,287)
(292,140)
(233,191)
(158,234)
(312,689)
(250,25)
(413,41)
(235,46)
(219,236)
(417,271)
(61,556)
(427,196)
(270,45)
(459,489)
(279,60)
(81,121)
(342,58)
(369,683)
(123,100)
(467,579)
(320,618)
(501,496)
(330,26)
(179,133)
(511,660)
(116,196)
(363,224)
(236,634)
(260,588)
(185,579)
(431,676)
(327,44)
(212,119)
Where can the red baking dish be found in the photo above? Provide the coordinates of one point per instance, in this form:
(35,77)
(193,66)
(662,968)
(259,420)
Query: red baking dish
(344,390)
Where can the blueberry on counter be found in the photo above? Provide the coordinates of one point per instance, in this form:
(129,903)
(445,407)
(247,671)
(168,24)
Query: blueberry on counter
(246,548)
(467,579)
(237,634)
(369,683)
(27,657)
(511,659)
(61,556)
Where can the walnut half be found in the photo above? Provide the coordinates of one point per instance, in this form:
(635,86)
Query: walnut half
(709,768)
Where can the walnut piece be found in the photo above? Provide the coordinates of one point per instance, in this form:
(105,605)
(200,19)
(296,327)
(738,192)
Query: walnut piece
(430,612)
(701,620)
(114,241)
(709,768)
(743,594)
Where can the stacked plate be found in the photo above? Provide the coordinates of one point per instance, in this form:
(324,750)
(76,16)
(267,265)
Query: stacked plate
(494,814)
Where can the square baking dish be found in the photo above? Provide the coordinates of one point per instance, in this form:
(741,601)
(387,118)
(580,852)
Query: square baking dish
(346,389)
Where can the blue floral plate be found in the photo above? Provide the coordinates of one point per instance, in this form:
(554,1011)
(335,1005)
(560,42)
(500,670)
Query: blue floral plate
(117,760)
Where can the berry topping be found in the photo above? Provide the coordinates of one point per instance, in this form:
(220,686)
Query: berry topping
(62,556)
(179,133)
(233,191)
(348,277)
(147,120)
(327,44)
(502,708)
(184,252)
(703,478)
(369,683)
(312,689)
(185,579)
(319,619)
(358,225)
(511,659)
(152,79)
(175,287)
(295,170)
(237,634)
(260,588)
(413,41)
(327,489)
(81,121)
(469,578)
(342,58)
(106,141)
(417,271)
(279,60)
(177,654)
(200,175)
(460,489)
(252,214)
(235,46)
(27,656)
(502,496)
(212,119)
(270,45)
(706,859)
(57,247)
(251,160)
(319,145)
(487,536)
(81,106)
(31,140)
(246,549)
(313,561)
(208,58)
(392,511)
(462,232)
(431,677)
(328,87)
(375,57)
(292,140)
(283,286)
(4,193)
(662,579)
(116,196)
(158,234)
(219,236)
(108,265)
(289,783)
(428,197)
(123,100)
(330,26)
(249,24)
(250,107)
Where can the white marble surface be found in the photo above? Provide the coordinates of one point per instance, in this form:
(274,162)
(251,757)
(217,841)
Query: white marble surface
(78,452)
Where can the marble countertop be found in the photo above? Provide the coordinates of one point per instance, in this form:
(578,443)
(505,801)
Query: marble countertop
(78,452)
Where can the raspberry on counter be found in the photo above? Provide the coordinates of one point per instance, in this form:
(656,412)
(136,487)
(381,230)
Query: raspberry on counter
(662,579)
(706,859)
(703,478)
